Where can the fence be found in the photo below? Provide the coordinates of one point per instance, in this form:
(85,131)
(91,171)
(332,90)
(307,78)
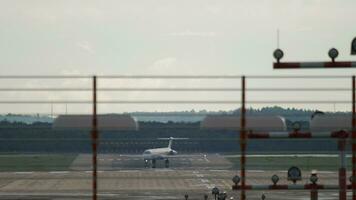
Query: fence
(258,86)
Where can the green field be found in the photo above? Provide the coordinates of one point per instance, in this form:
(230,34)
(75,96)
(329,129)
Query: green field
(283,163)
(35,162)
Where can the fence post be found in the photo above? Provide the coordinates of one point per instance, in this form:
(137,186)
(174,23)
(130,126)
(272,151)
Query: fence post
(314,192)
(243,139)
(94,138)
(342,170)
(353,140)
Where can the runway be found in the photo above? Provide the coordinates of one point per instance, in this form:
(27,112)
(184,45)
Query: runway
(128,179)
(119,162)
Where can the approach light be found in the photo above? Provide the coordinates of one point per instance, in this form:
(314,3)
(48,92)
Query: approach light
(222,196)
(278,54)
(313,177)
(186,196)
(296,126)
(263,197)
(353,47)
(215,191)
(294,174)
(333,53)
(275,179)
(236,180)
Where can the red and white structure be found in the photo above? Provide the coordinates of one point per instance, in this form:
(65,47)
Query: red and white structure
(287,187)
(298,134)
(341,129)
(312,65)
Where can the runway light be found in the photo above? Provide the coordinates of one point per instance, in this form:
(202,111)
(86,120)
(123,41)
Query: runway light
(263,197)
(294,174)
(215,191)
(296,126)
(278,54)
(222,196)
(275,179)
(313,177)
(236,180)
(333,53)
(353,47)
(186,196)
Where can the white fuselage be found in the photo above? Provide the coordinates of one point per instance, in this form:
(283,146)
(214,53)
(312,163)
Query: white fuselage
(158,153)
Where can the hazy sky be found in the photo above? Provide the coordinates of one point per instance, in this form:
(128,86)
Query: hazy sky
(171,36)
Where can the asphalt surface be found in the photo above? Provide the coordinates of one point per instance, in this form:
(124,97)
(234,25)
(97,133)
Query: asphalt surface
(125,177)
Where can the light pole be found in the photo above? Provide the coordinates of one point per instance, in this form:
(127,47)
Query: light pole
(205,197)
(263,197)
(186,196)
(314,188)
(215,191)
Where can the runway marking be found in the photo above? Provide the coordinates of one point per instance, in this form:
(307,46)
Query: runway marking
(164,170)
(23,172)
(218,170)
(326,172)
(256,171)
(205,182)
(125,171)
(209,186)
(59,172)
(206,159)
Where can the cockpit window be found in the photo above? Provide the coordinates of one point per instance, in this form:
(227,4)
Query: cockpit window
(147,152)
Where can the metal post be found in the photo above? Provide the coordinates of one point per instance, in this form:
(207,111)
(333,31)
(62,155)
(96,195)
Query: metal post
(243,139)
(314,192)
(353,140)
(342,170)
(94,137)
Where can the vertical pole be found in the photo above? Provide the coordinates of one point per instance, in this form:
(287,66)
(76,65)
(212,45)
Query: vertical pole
(94,137)
(243,139)
(342,170)
(314,192)
(353,140)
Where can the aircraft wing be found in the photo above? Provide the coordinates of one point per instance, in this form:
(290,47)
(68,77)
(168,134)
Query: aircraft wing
(186,156)
(165,156)
(131,155)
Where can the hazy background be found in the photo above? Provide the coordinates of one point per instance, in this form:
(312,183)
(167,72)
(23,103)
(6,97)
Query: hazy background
(204,37)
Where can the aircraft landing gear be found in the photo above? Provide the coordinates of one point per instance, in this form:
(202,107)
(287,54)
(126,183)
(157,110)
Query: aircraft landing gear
(146,163)
(153,163)
(167,163)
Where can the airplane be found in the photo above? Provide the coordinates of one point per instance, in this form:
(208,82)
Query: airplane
(160,153)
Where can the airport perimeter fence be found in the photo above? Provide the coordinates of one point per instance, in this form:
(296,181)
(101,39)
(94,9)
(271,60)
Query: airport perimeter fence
(65,161)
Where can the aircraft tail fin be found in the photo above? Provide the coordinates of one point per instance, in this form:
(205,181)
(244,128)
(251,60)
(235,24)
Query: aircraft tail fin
(170,139)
